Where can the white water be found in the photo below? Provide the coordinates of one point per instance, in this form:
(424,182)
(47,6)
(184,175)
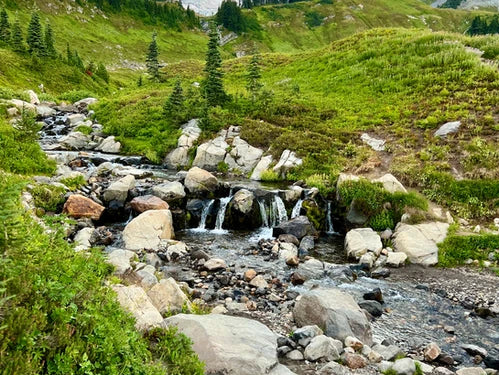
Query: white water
(329,219)
(224,202)
(279,209)
(204,215)
(296,209)
(263,213)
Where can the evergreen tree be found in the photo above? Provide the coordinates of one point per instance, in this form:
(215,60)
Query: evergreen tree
(49,41)
(213,85)
(102,73)
(229,14)
(494,25)
(78,62)
(4,27)
(254,75)
(174,105)
(152,60)
(139,81)
(17,38)
(35,36)
(69,55)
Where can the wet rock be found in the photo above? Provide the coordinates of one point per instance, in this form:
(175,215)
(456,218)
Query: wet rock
(475,350)
(322,347)
(372,307)
(243,211)
(305,334)
(471,371)
(259,282)
(354,361)
(120,259)
(360,241)
(446,359)
(298,227)
(295,355)
(307,243)
(214,264)
(311,269)
(148,202)
(75,141)
(148,229)
(431,352)
(388,352)
(334,310)
(374,295)
(167,296)
(229,345)
(289,238)
(102,236)
(118,190)
(109,145)
(293,261)
(200,181)
(443,371)
(262,166)
(404,366)
(297,278)
(169,191)
(176,250)
(78,206)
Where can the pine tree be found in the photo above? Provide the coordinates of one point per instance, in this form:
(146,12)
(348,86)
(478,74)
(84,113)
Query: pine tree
(69,55)
(102,73)
(78,62)
(152,60)
(254,75)
(35,36)
(174,105)
(4,27)
(139,81)
(213,85)
(49,41)
(17,38)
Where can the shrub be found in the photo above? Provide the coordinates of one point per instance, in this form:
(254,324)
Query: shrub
(76,95)
(382,221)
(321,181)
(74,183)
(84,129)
(270,176)
(48,197)
(223,167)
(456,249)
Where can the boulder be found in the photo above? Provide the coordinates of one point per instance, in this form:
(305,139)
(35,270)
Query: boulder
(76,119)
(198,180)
(148,202)
(404,366)
(118,190)
(259,282)
(33,98)
(390,183)
(374,143)
(396,259)
(167,296)
(362,240)
(120,259)
(134,299)
(262,166)
(243,211)
(243,156)
(169,191)
(82,239)
(243,201)
(78,206)
(176,250)
(148,229)
(44,111)
(210,154)
(138,173)
(335,311)
(372,307)
(448,128)
(299,227)
(311,269)
(109,145)
(215,264)
(21,105)
(84,103)
(180,156)
(471,371)
(388,352)
(333,368)
(305,334)
(431,352)
(419,242)
(75,141)
(177,158)
(353,360)
(287,161)
(322,347)
(229,345)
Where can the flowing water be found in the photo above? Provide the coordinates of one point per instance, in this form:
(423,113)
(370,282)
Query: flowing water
(297,209)
(224,202)
(204,215)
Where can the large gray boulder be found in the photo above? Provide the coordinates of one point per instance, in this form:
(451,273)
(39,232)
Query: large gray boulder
(169,191)
(75,141)
(334,311)
(120,259)
(419,242)
(210,154)
(118,190)
(262,166)
(109,145)
(299,227)
(148,229)
(198,180)
(243,156)
(390,183)
(288,161)
(229,345)
(180,156)
(243,201)
(167,296)
(361,241)
(243,211)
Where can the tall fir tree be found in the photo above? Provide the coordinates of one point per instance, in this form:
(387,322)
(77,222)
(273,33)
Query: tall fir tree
(152,60)
(174,105)
(17,38)
(4,27)
(253,83)
(102,73)
(213,84)
(49,41)
(35,36)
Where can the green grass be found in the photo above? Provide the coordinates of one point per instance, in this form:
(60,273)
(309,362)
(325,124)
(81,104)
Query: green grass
(456,249)
(74,183)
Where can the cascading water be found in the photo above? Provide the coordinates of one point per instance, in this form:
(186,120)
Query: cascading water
(278,206)
(263,213)
(224,202)
(204,215)
(329,219)
(297,209)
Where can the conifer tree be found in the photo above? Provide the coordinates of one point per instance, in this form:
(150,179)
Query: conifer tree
(139,81)
(254,75)
(152,60)
(213,85)
(174,105)
(69,55)
(102,73)
(4,27)
(35,36)
(78,62)
(49,41)
(17,38)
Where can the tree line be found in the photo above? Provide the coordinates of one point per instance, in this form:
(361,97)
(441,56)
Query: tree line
(484,25)
(39,42)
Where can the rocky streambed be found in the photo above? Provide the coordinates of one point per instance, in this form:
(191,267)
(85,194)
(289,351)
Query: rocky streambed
(283,294)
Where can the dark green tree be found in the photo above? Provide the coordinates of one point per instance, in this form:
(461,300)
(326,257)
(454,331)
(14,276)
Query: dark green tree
(102,73)
(253,83)
(17,38)
(35,36)
(139,81)
(174,105)
(78,62)
(494,25)
(49,41)
(152,60)
(213,88)
(4,27)
(230,16)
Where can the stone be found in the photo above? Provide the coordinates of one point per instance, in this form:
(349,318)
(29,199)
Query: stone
(210,154)
(167,296)
(404,366)
(293,261)
(299,227)
(78,206)
(281,370)
(76,119)
(447,128)
(147,277)
(419,242)
(200,181)
(243,201)
(374,295)
(307,243)
(295,355)
(289,238)
(180,156)
(311,269)
(227,344)
(475,350)
(333,368)
(21,105)
(354,361)
(109,145)
(374,357)
(262,166)
(354,343)
(372,307)
(287,250)
(391,184)
(215,264)
(442,371)
(396,259)
(249,275)
(118,190)
(134,299)
(243,156)
(362,240)
(84,103)
(33,98)
(75,141)
(176,250)
(44,111)
(305,334)
(287,161)
(148,202)
(388,352)
(169,191)
(220,309)
(82,239)
(259,282)
(12,112)
(334,310)
(374,143)
(367,260)
(321,347)
(148,229)
(431,352)
(120,259)
(471,371)
(425,368)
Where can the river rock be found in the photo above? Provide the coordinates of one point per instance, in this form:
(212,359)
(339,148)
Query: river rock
(243,156)
(287,250)
(249,275)
(448,128)
(118,190)
(374,143)
(167,296)
(471,371)
(362,240)
(281,370)
(84,103)
(299,227)
(311,269)
(109,145)
(198,180)
(78,206)
(262,166)
(353,361)
(134,299)
(120,259)
(75,141)
(259,282)
(21,105)
(322,347)
(210,154)
(82,239)
(229,345)
(289,238)
(148,229)
(334,310)
(354,343)
(295,355)
(431,352)
(215,264)
(420,241)
(372,307)
(76,119)
(287,161)
(243,201)
(243,211)
(148,202)
(388,352)
(404,366)
(396,259)
(169,191)
(176,250)
(391,184)
(305,334)
(44,111)
(475,350)
(333,368)
(180,156)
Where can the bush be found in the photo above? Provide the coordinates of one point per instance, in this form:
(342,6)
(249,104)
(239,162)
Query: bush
(74,183)
(48,197)
(269,176)
(456,249)
(321,181)
(87,130)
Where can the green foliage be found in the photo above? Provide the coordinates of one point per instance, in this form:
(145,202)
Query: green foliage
(223,167)
(214,92)
(174,106)
(390,371)
(419,370)
(175,351)
(4,27)
(74,183)
(152,62)
(17,38)
(48,197)
(483,26)
(85,129)
(230,16)
(76,95)
(270,176)
(382,221)
(34,39)
(456,249)
(322,181)
(49,42)
(102,73)
(254,75)
(313,18)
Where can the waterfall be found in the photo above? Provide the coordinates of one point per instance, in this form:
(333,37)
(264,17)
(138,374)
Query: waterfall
(204,215)
(329,219)
(224,202)
(263,213)
(278,211)
(296,209)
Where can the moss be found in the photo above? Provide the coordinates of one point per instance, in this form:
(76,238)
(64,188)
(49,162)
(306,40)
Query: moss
(74,183)
(314,213)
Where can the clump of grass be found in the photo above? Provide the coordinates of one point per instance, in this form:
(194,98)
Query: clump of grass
(48,197)
(74,183)
(270,176)
(456,249)
(87,130)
